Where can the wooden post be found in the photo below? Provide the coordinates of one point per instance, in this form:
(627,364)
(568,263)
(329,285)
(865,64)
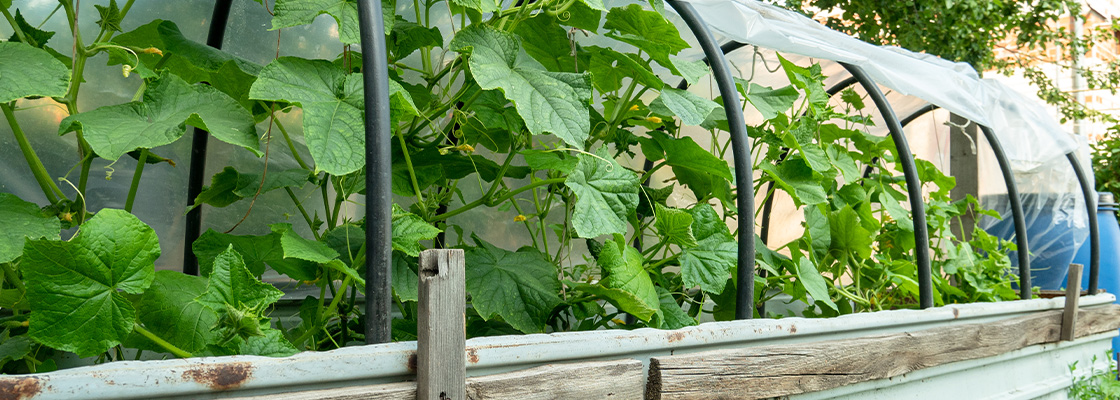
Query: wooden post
(963,166)
(441,347)
(1073,294)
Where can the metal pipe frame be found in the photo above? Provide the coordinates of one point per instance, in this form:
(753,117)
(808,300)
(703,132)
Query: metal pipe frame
(1087,190)
(199,138)
(1021,241)
(379,251)
(913,184)
(740,146)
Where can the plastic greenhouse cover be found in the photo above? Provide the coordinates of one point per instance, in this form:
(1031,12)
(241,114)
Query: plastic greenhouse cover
(1030,136)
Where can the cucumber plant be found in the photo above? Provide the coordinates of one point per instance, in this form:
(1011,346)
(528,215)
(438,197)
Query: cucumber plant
(506,111)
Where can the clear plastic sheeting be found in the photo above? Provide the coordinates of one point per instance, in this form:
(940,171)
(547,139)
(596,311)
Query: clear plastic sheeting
(952,86)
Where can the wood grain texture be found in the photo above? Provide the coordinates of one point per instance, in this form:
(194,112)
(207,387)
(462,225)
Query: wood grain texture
(780,370)
(441,344)
(618,379)
(1073,294)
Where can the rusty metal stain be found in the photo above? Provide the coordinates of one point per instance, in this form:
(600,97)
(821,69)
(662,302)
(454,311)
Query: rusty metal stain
(676,336)
(19,388)
(412,362)
(956,313)
(221,376)
(792,329)
(472,356)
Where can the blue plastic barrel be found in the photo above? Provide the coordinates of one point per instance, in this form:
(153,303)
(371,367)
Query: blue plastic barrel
(1109,276)
(1052,245)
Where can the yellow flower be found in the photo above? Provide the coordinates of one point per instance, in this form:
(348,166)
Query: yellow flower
(634,107)
(466,148)
(656,120)
(519,218)
(152,50)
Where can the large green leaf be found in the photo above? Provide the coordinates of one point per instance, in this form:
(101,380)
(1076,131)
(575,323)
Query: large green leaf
(271,344)
(608,68)
(231,284)
(229,186)
(168,310)
(405,281)
(796,178)
(606,194)
(520,286)
(895,209)
(700,170)
(848,235)
(646,30)
(408,37)
(22,220)
(190,60)
(674,226)
(813,282)
(623,268)
(709,264)
(409,229)
(168,104)
(675,317)
(77,287)
(296,246)
(692,109)
(289,13)
(256,252)
(332,108)
(548,102)
(620,299)
(480,5)
(548,43)
(28,71)
(769,101)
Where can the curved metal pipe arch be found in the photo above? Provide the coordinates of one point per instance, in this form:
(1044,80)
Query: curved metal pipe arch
(1021,241)
(740,146)
(913,184)
(1090,194)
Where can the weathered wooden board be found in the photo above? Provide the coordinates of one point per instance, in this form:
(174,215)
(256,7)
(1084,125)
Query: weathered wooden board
(1073,291)
(771,371)
(619,379)
(441,345)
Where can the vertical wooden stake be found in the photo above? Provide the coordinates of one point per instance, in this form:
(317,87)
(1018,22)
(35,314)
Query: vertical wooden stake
(1073,294)
(441,348)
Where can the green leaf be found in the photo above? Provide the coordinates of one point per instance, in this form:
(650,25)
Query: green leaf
(405,281)
(674,225)
(606,194)
(347,271)
(620,299)
(694,166)
(520,286)
(289,13)
(594,4)
(769,101)
(333,108)
(819,230)
(491,122)
(554,160)
(548,102)
(709,264)
(77,288)
(190,60)
(608,68)
(168,310)
(230,283)
(22,220)
(848,235)
(483,6)
(581,16)
(692,109)
(409,229)
(110,17)
(813,282)
(675,317)
(271,344)
(692,70)
(407,37)
(646,30)
(168,104)
(347,240)
(896,211)
(297,247)
(796,178)
(256,252)
(48,78)
(13,348)
(623,270)
(544,40)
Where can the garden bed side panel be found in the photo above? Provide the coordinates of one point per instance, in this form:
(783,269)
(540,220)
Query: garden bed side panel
(365,365)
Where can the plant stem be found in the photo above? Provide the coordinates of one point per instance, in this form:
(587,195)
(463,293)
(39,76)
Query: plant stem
(484,199)
(15,27)
(136,180)
(326,200)
(291,145)
(37,169)
(302,211)
(13,278)
(411,172)
(664,261)
(162,343)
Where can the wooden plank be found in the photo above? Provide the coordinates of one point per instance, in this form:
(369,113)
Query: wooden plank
(441,344)
(621,379)
(780,370)
(618,379)
(1073,292)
